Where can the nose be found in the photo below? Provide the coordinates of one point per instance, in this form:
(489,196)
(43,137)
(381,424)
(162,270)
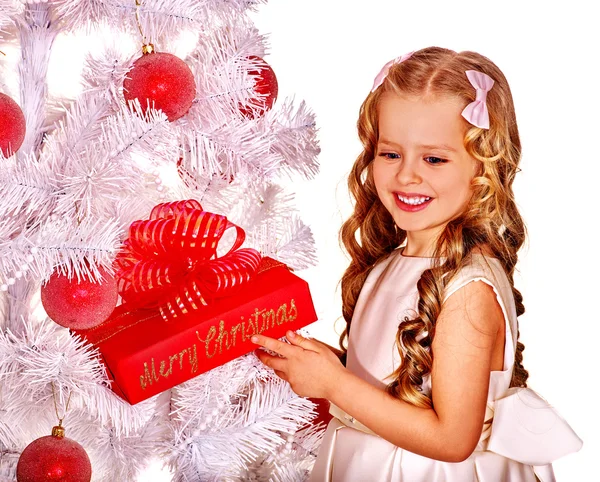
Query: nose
(409,171)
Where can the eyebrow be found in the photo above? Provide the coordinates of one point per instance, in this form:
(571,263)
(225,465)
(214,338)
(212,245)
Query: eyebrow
(442,147)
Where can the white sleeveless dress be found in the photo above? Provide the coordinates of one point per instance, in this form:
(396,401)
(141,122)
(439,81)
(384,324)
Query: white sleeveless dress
(523,433)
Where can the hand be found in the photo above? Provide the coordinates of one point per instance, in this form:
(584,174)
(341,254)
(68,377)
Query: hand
(308,366)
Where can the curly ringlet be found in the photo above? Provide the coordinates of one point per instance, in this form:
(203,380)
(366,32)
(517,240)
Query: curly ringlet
(491,217)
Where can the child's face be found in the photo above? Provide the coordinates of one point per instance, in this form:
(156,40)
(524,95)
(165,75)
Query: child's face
(421,169)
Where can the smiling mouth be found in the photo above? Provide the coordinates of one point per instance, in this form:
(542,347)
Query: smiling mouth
(413,201)
(412,204)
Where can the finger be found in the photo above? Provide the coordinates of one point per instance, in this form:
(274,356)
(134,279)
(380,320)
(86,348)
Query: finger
(274,362)
(324,346)
(272,344)
(305,343)
(281,375)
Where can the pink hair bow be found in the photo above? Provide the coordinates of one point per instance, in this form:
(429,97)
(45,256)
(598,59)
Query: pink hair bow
(386,68)
(477,112)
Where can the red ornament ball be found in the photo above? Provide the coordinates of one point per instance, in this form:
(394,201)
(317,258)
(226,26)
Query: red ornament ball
(82,304)
(12,126)
(54,458)
(265,84)
(162,80)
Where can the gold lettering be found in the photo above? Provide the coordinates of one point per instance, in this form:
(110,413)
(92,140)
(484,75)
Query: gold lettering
(244,337)
(293,313)
(223,335)
(268,316)
(259,328)
(181,353)
(252,328)
(212,332)
(193,357)
(248,330)
(149,375)
(163,365)
(259,321)
(282,314)
(234,330)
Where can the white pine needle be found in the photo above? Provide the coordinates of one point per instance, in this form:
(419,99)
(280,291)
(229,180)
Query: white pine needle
(37,31)
(25,188)
(296,247)
(157,17)
(227,417)
(293,138)
(92,165)
(105,70)
(8,10)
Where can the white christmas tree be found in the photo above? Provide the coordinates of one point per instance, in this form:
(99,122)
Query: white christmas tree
(87,168)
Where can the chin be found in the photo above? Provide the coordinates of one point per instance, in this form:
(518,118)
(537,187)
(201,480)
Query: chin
(412,226)
(419,226)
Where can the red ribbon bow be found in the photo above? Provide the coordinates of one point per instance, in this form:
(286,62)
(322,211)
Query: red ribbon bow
(167,261)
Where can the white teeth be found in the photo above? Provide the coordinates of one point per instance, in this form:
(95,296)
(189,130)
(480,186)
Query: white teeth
(413,200)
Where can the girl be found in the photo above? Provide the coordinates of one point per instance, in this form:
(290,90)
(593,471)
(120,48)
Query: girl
(434,388)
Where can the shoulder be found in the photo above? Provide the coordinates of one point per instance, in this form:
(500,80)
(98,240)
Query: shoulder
(481,292)
(485,269)
(477,305)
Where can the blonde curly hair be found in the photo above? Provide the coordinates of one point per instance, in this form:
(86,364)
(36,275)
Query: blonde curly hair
(491,218)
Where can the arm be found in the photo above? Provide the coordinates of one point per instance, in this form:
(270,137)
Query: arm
(466,331)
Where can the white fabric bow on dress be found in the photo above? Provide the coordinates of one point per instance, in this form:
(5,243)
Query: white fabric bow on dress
(520,426)
(526,428)
(477,112)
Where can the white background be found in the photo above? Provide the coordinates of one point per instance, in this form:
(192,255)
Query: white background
(327,52)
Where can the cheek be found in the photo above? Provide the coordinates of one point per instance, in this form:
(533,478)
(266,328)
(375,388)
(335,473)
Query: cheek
(457,188)
(379,175)
(375,169)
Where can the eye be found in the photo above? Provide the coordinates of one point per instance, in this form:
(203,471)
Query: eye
(435,160)
(389,155)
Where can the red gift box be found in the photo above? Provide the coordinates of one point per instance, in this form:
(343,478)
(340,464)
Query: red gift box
(145,355)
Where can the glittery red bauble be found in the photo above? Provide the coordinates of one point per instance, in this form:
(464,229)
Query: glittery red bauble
(265,84)
(52,459)
(12,126)
(163,80)
(79,304)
